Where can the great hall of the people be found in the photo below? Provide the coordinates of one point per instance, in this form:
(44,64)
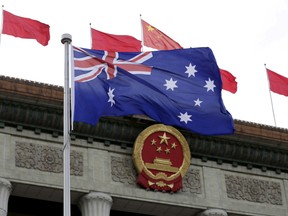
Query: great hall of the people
(127,165)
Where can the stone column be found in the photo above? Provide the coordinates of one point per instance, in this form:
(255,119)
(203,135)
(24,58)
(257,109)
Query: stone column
(95,204)
(213,212)
(5,190)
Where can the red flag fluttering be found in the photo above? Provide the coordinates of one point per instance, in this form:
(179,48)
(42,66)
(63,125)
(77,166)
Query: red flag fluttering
(228,81)
(116,43)
(25,28)
(154,38)
(278,83)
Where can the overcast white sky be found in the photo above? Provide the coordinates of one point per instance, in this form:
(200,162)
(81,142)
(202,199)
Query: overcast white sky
(243,34)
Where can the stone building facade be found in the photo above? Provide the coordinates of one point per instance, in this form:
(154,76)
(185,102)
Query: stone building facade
(234,175)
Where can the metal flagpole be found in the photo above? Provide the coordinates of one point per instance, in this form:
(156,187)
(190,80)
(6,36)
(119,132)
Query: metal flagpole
(66,40)
(91,35)
(270,96)
(142,37)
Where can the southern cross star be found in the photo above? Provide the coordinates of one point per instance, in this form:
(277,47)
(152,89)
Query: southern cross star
(170,84)
(198,102)
(191,70)
(210,85)
(184,117)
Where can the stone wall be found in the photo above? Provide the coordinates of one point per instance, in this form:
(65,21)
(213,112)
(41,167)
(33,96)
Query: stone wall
(34,161)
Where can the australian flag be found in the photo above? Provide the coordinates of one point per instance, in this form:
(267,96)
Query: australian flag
(180,87)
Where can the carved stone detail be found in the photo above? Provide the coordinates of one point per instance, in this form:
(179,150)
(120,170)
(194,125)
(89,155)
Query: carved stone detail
(122,170)
(192,182)
(46,158)
(253,190)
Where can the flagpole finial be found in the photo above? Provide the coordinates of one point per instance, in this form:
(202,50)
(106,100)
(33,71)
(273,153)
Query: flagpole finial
(66,38)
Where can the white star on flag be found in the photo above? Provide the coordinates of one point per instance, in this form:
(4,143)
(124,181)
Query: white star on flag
(170,84)
(191,70)
(111,96)
(210,85)
(185,117)
(198,102)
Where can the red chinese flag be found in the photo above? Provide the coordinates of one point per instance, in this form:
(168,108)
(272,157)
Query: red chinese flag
(25,28)
(228,81)
(278,83)
(156,39)
(116,43)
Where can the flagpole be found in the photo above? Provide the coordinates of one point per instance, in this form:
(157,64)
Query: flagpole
(270,97)
(142,37)
(90,35)
(66,40)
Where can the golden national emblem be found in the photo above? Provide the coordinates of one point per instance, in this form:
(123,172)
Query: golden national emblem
(162,157)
